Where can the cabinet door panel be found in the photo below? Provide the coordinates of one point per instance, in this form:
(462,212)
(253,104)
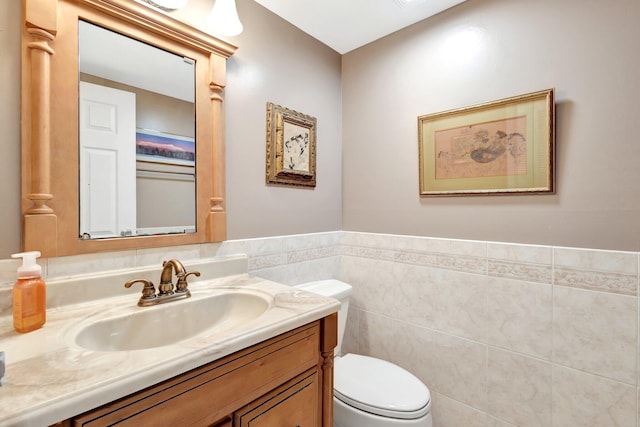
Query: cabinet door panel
(294,404)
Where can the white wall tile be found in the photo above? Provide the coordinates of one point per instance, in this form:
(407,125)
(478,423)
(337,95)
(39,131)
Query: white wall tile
(592,331)
(471,248)
(369,240)
(312,240)
(91,263)
(210,250)
(524,262)
(447,412)
(581,399)
(156,256)
(416,244)
(496,422)
(596,332)
(597,260)
(519,388)
(460,304)
(415,294)
(519,316)
(313,269)
(254,247)
(9,267)
(351,336)
(281,274)
(449,365)
(376,335)
(533,254)
(607,271)
(268,260)
(372,281)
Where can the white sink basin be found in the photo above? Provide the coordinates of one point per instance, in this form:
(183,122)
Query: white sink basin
(137,328)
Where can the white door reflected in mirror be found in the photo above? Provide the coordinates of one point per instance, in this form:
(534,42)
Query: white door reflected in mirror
(107,161)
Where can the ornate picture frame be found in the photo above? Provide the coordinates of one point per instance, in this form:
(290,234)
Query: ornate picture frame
(291,147)
(500,147)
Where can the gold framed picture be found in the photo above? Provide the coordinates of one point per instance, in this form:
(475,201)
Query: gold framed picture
(291,147)
(500,147)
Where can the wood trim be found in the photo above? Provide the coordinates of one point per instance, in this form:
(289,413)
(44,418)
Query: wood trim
(141,16)
(217,215)
(50,128)
(328,343)
(38,34)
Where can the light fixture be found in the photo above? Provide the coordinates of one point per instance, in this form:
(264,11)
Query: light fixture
(167,4)
(224,19)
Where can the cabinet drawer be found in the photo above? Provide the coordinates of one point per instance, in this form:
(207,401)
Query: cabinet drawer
(294,404)
(208,394)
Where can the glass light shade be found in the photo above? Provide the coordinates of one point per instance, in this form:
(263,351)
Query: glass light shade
(224,19)
(167,4)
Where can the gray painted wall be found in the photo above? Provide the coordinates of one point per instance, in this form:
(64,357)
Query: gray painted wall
(276,63)
(367,129)
(486,50)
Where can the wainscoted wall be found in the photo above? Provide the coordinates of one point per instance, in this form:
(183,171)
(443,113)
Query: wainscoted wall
(502,334)
(285,259)
(291,259)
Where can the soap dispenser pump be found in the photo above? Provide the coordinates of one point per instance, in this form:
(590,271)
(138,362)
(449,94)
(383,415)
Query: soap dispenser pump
(29,294)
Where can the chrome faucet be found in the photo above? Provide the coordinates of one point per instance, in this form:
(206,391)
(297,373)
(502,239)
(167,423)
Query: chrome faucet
(166,291)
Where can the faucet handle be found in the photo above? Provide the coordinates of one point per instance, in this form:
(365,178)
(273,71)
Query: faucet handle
(148,292)
(182,284)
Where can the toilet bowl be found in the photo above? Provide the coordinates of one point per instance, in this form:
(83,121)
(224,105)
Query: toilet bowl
(368,391)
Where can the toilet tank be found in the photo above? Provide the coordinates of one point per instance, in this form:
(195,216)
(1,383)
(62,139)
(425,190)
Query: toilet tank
(335,289)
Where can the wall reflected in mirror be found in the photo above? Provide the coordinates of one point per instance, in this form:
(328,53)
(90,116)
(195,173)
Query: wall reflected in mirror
(137,137)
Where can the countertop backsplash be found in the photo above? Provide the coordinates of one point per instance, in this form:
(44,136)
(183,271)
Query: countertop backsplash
(73,289)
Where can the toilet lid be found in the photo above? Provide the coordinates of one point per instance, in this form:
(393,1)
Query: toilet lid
(379,387)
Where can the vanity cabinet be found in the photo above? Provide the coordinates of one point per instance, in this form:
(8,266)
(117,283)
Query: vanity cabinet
(286,381)
(294,404)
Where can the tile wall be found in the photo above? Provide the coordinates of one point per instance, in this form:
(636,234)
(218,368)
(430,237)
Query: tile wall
(502,334)
(285,259)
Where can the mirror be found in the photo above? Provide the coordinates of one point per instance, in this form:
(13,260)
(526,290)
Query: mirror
(54,170)
(137,136)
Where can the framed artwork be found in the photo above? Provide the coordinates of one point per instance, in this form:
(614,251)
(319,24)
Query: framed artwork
(501,147)
(291,147)
(160,147)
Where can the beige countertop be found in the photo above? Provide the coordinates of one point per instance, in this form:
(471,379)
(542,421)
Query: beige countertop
(50,378)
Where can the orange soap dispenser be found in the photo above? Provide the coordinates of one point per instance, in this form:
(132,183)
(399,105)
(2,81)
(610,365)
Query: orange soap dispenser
(29,294)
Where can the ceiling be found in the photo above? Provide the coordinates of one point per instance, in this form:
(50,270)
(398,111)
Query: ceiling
(345,25)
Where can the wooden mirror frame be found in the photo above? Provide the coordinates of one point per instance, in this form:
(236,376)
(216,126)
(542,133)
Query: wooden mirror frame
(49,94)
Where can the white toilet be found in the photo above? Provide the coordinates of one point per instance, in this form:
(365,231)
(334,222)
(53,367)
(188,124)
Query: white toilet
(370,392)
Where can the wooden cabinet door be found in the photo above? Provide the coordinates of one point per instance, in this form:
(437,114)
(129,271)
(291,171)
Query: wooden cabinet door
(294,404)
